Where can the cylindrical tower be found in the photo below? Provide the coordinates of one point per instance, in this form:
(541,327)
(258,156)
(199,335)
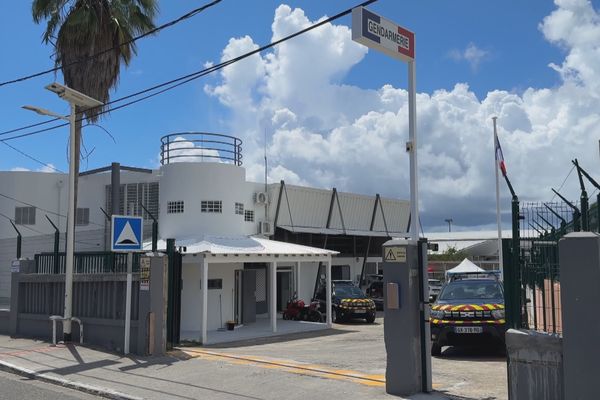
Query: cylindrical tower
(203,188)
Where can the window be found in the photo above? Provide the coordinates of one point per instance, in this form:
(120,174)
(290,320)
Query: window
(175,207)
(211,206)
(239,208)
(82,216)
(249,216)
(213,284)
(130,197)
(25,215)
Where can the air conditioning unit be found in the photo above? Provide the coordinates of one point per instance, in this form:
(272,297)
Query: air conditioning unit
(265,228)
(261,198)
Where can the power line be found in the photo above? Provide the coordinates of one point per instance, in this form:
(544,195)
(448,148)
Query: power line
(43,209)
(93,56)
(32,158)
(43,233)
(563,183)
(192,76)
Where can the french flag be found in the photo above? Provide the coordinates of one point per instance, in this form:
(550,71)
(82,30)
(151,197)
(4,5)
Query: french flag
(500,157)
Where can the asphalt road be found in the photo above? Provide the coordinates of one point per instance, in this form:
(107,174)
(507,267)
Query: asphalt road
(469,373)
(15,387)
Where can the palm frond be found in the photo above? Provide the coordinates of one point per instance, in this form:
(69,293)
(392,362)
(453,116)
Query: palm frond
(89,27)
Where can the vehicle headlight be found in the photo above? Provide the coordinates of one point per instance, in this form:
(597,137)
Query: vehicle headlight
(498,314)
(437,314)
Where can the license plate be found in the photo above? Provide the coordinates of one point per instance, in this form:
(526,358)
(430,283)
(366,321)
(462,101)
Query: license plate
(359,311)
(468,329)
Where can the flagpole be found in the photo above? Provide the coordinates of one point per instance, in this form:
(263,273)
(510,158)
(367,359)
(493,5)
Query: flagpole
(498,218)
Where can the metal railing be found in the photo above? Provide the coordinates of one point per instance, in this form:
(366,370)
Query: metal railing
(86,263)
(542,225)
(200,147)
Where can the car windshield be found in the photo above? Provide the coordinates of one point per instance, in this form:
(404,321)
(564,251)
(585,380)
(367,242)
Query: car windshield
(435,282)
(348,292)
(462,290)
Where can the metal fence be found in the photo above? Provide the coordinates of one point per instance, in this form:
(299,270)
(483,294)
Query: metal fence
(85,263)
(541,227)
(94,296)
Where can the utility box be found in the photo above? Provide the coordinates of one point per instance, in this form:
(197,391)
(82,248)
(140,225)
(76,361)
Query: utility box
(407,336)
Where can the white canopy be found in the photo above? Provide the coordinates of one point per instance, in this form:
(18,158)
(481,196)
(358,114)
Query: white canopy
(464,267)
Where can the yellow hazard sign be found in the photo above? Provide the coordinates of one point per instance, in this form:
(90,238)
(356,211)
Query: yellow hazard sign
(394,253)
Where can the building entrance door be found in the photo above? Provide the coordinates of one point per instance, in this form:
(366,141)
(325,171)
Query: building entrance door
(285,289)
(248,296)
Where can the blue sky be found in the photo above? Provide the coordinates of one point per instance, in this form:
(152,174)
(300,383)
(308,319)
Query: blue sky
(491,45)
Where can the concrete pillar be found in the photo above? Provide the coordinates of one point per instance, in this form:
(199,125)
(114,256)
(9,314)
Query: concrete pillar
(273,296)
(152,310)
(328,292)
(205,301)
(297,279)
(402,320)
(115,184)
(579,259)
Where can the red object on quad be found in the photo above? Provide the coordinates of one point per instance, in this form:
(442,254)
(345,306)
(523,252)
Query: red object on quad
(297,310)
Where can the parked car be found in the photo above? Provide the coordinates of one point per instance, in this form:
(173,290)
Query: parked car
(348,302)
(468,311)
(375,292)
(435,286)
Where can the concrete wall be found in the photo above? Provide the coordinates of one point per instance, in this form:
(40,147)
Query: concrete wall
(220,301)
(535,365)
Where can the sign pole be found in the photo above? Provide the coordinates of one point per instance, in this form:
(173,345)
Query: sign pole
(412,147)
(128,302)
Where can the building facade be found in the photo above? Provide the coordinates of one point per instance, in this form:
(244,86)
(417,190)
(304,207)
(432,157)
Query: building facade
(200,194)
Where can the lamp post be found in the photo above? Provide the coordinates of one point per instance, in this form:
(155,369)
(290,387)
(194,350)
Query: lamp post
(75,99)
(449,221)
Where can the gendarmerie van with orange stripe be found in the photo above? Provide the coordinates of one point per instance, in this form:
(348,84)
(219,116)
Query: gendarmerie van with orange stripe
(468,311)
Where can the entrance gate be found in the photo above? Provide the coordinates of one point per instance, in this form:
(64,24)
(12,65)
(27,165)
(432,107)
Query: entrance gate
(174,295)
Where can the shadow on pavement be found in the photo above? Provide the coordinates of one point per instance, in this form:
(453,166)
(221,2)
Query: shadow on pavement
(272,339)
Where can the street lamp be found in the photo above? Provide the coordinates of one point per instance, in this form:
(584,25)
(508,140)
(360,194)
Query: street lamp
(75,99)
(449,221)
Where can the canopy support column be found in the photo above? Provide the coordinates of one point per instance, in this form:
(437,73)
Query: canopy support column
(205,301)
(328,295)
(273,296)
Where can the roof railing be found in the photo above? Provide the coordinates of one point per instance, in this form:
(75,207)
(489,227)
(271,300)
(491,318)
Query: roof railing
(200,147)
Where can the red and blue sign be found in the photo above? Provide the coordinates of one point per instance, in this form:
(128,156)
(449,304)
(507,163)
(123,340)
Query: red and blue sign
(374,31)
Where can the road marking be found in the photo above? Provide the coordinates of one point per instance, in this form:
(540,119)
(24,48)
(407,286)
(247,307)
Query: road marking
(290,366)
(16,353)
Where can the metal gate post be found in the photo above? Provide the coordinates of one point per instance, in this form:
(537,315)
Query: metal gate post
(170,291)
(516,265)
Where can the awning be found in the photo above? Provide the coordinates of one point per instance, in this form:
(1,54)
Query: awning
(337,231)
(246,249)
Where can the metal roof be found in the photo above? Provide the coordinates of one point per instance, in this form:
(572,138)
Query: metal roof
(243,245)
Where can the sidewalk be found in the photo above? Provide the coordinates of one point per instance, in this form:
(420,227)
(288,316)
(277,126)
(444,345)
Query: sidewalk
(207,374)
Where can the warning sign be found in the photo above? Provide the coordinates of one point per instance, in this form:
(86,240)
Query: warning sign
(394,254)
(144,273)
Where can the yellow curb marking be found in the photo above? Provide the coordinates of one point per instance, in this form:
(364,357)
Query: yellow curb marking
(291,367)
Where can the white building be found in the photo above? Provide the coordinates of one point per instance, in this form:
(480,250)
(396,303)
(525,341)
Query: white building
(202,199)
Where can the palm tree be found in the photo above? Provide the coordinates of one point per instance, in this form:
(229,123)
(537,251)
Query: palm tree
(80,29)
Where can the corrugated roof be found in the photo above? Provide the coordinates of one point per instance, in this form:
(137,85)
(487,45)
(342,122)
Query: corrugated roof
(339,231)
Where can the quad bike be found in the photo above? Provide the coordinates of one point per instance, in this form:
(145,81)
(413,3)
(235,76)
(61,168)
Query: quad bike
(297,310)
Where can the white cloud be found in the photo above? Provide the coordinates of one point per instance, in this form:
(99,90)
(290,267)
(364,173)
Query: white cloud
(327,133)
(471,54)
(46,168)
